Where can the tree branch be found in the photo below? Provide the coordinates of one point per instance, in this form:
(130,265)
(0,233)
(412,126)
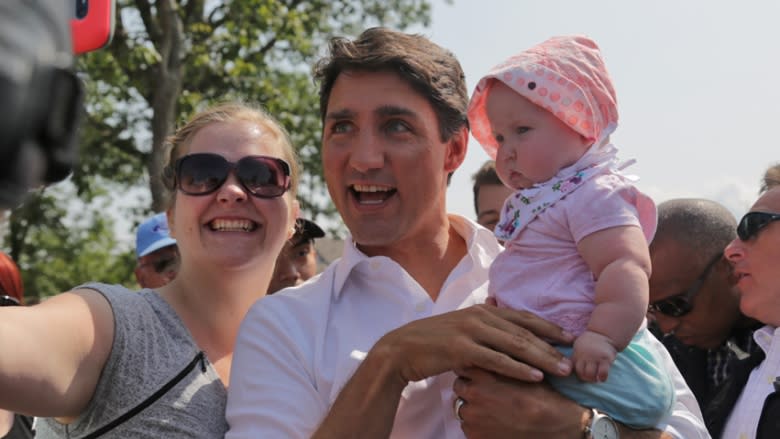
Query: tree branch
(152,27)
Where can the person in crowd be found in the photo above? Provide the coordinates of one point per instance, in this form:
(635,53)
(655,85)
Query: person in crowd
(755,256)
(575,228)
(297,262)
(156,253)
(695,304)
(771,178)
(368,348)
(489,195)
(12,426)
(106,361)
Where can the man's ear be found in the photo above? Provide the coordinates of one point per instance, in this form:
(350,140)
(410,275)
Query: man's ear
(139,276)
(457,146)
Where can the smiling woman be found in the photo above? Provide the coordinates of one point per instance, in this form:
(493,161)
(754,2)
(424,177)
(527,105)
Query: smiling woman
(129,364)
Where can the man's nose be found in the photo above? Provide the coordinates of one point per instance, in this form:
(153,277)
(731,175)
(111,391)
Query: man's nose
(666,323)
(367,154)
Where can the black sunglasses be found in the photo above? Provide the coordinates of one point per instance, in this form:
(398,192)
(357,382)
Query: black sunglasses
(204,173)
(163,265)
(680,304)
(753,222)
(9,301)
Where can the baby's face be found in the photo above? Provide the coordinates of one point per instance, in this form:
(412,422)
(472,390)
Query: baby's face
(533,144)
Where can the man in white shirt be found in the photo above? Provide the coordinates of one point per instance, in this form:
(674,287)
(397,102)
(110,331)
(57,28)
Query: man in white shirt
(372,347)
(755,255)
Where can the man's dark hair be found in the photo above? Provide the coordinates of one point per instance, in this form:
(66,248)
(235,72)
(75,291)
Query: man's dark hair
(430,69)
(486,175)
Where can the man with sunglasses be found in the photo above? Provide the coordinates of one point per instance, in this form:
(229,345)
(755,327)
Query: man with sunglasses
(694,302)
(156,252)
(392,339)
(755,256)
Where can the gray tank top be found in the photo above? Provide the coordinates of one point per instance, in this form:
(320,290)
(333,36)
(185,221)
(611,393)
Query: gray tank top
(151,347)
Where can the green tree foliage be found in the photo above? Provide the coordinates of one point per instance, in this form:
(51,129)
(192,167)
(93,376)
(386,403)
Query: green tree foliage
(57,250)
(168,59)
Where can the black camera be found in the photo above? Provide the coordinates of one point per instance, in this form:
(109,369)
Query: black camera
(41,94)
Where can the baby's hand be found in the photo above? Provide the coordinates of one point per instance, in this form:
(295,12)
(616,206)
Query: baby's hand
(593,355)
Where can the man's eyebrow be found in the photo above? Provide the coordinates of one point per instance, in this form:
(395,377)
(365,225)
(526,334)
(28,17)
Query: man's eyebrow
(394,110)
(384,111)
(340,114)
(301,241)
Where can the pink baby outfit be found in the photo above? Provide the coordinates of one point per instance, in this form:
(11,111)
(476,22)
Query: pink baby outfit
(564,75)
(541,270)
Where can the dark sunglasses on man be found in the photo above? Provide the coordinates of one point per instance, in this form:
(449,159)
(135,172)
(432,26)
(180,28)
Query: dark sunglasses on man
(680,304)
(753,222)
(163,264)
(204,173)
(8,300)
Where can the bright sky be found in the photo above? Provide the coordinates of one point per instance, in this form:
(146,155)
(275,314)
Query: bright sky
(698,84)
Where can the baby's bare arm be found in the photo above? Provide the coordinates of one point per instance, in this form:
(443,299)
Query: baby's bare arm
(620,261)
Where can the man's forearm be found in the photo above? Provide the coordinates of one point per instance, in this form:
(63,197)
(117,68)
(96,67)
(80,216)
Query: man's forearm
(367,404)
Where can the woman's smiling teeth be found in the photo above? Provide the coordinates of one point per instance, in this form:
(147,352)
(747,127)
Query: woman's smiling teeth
(371,194)
(232,225)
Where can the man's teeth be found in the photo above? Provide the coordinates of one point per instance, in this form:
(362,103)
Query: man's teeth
(233,225)
(370,188)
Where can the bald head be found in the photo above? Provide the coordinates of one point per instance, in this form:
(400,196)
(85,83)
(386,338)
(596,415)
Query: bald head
(703,226)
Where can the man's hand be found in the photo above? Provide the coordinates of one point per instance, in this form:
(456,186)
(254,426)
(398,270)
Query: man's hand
(497,407)
(500,407)
(481,336)
(501,340)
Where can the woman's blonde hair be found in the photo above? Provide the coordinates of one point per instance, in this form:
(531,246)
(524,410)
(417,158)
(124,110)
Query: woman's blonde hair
(228,112)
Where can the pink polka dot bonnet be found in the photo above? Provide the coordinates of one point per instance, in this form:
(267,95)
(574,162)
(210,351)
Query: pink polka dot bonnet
(566,75)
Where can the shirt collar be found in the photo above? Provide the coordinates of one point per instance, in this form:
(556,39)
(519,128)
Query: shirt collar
(765,335)
(481,247)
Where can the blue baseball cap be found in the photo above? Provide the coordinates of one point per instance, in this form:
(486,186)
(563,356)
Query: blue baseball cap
(153,235)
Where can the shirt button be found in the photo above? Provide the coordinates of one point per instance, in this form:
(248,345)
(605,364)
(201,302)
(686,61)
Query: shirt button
(420,307)
(374,265)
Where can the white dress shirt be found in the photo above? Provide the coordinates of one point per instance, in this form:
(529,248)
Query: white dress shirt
(743,420)
(298,348)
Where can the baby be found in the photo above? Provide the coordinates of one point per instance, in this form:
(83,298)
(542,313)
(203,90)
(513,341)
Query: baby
(576,230)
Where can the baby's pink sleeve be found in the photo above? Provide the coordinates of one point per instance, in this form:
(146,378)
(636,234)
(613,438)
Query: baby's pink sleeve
(609,201)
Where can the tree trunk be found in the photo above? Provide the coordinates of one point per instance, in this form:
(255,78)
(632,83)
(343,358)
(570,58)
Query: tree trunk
(165,95)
